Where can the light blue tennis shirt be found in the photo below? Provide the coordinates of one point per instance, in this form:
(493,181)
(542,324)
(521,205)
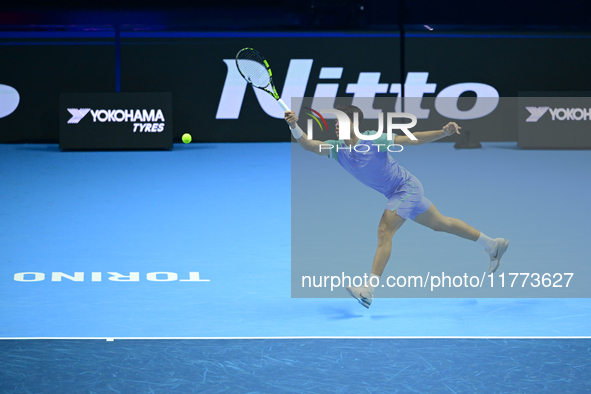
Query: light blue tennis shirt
(370,163)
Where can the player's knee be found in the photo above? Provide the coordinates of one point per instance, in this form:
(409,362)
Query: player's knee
(443,224)
(384,234)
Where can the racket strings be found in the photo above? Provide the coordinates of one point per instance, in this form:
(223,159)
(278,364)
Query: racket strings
(253,69)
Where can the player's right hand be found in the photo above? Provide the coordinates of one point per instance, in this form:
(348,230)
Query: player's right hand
(291,118)
(451,128)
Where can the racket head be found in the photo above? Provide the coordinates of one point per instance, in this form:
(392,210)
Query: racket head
(255,70)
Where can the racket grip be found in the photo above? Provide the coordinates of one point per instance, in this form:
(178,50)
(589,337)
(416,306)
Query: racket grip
(283,105)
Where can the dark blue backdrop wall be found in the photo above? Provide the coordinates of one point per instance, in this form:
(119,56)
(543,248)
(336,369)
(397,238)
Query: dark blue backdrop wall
(210,104)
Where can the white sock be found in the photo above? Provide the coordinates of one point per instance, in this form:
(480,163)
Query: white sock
(370,281)
(487,242)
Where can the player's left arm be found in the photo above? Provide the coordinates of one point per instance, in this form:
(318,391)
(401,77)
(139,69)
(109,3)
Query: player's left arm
(424,137)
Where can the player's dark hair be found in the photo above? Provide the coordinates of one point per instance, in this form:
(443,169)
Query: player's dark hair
(350,110)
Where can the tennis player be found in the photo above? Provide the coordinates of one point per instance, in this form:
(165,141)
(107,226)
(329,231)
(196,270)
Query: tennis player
(373,166)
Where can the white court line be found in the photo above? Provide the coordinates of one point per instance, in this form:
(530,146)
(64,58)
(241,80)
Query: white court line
(303,337)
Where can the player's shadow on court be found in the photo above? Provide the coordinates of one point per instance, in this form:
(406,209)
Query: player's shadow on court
(333,313)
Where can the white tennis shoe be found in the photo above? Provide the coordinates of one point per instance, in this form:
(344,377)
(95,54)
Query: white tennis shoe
(496,253)
(362,294)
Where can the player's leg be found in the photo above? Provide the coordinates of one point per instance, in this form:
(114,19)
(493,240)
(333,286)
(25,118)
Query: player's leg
(433,219)
(389,223)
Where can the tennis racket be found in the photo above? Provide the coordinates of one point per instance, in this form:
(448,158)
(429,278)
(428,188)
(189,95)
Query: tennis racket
(256,71)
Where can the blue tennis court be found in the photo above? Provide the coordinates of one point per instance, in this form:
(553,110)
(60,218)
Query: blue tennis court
(223,210)
(296,365)
(107,245)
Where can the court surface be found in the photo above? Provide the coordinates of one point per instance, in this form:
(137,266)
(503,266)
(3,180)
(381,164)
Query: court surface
(99,290)
(223,210)
(296,366)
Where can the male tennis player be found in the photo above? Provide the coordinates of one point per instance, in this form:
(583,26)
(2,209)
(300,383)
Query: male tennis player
(374,167)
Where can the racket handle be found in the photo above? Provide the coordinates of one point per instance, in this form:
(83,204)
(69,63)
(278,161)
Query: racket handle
(283,105)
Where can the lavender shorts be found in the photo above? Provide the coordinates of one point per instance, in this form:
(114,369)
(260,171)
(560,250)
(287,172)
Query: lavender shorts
(408,200)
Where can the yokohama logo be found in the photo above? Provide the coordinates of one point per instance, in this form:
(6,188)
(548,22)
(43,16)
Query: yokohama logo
(116,115)
(535,113)
(559,113)
(77,114)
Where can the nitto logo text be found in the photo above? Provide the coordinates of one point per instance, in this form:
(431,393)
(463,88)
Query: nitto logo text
(368,85)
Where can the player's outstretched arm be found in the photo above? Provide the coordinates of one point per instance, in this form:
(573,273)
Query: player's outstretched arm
(318,147)
(424,137)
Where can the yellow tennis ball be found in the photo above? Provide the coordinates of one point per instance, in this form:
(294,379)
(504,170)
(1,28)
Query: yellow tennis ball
(186,138)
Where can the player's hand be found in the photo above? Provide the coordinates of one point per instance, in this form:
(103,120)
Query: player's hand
(291,118)
(451,128)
